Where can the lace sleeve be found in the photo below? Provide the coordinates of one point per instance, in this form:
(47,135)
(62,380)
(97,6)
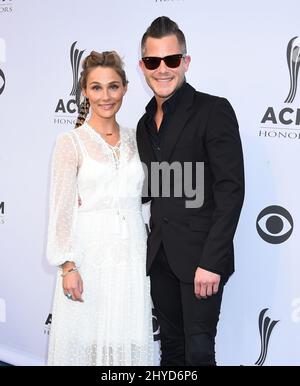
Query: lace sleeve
(63,200)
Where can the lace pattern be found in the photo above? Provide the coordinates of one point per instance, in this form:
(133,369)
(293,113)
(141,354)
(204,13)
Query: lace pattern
(105,236)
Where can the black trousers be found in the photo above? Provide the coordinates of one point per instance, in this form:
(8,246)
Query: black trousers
(188,325)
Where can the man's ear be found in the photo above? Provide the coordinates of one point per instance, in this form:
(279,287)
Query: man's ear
(187,61)
(141,64)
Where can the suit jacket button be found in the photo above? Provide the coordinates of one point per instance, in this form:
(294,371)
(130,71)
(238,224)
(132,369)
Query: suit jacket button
(166,220)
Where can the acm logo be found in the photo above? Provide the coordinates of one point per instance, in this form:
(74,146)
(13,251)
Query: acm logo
(266,326)
(48,324)
(66,108)
(287,117)
(293,60)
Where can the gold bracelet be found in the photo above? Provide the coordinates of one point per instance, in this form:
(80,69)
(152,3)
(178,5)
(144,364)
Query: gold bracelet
(74,269)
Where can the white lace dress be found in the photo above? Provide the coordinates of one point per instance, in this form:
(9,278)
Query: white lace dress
(105,236)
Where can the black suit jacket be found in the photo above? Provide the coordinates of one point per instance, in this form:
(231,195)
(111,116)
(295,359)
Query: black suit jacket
(203,128)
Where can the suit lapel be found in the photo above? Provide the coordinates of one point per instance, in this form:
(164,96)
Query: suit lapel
(177,122)
(145,147)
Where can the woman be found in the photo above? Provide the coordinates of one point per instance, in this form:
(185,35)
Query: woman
(102,312)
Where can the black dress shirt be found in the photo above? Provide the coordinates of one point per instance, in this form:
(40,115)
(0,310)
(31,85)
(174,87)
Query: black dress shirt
(157,135)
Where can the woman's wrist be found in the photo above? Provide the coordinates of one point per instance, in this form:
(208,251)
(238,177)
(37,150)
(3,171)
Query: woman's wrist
(68,265)
(70,270)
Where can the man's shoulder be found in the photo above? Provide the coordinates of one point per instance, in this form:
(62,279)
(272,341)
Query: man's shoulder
(205,97)
(188,88)
(209,100)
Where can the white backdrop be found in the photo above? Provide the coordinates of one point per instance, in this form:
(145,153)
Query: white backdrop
(238,51)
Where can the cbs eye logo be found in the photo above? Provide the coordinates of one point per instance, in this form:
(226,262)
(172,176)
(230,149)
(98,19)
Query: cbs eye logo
(2,81)
(274,224)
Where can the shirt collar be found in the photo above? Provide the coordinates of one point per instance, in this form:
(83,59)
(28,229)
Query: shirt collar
(169,105)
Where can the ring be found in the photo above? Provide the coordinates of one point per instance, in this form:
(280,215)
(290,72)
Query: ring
(68,295)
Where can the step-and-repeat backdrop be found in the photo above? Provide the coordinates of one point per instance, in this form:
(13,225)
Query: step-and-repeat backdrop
(247,52)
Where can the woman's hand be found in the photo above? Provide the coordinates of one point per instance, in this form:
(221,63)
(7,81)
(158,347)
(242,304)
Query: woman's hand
(72,282)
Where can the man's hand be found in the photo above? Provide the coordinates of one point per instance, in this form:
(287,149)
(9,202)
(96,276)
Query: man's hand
(206,283)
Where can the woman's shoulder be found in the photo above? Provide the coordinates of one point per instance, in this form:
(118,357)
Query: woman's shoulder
(128,131)
(69,135)
(66,139)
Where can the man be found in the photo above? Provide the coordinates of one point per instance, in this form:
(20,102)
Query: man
(190,249)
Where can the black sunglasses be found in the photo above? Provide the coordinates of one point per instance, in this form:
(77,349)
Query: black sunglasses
(153,62)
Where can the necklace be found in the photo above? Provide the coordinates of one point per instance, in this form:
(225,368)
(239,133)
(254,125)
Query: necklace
(109,133)
(101,136)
